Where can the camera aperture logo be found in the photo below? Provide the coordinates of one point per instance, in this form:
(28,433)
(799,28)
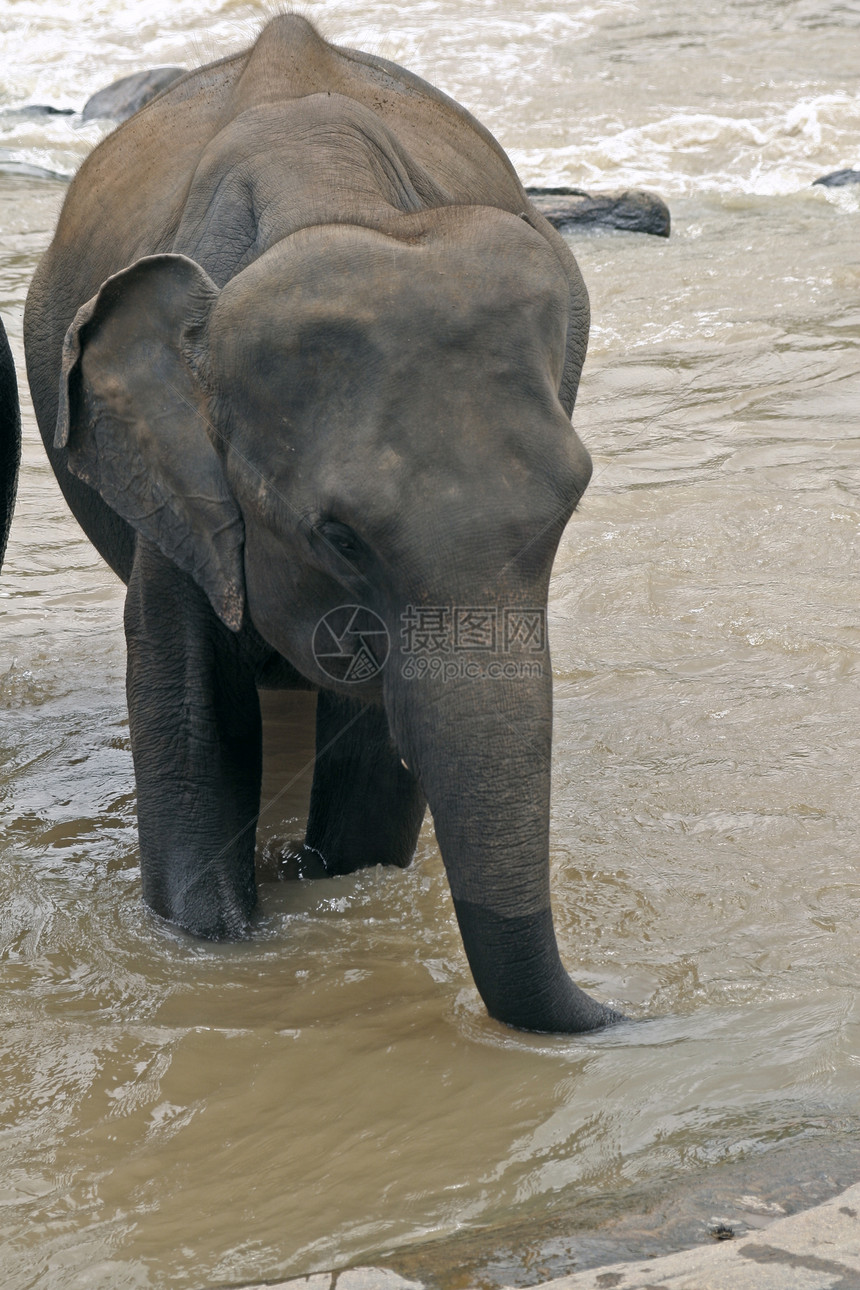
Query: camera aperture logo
(351,644)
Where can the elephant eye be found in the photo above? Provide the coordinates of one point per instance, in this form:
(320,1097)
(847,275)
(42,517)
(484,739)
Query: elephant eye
(339,537)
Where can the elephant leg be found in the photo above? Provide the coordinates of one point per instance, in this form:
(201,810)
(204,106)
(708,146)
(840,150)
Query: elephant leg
(197,747)
(366,807)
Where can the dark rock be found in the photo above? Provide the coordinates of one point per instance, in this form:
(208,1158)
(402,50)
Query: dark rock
(838,178)
(9,166)
(125,97)
(39,109)
(10,438)
(632,209)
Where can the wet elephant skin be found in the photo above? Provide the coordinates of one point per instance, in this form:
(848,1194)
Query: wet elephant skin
(302,342)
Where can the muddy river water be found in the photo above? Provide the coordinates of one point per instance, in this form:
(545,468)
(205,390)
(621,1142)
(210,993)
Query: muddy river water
(182,1114)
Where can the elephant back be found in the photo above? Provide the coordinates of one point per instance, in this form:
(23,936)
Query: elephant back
(128,198)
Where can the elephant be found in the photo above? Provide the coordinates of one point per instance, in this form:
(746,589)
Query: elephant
(10,439)
(304,358)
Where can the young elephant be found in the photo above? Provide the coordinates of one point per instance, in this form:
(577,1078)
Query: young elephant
(304,359)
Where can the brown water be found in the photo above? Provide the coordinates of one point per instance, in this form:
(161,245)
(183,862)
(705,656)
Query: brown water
(186,1115)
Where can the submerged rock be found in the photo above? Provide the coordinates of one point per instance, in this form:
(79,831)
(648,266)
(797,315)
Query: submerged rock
(10,166)
(126,96)
(38,109)
(631,209)
(838,178)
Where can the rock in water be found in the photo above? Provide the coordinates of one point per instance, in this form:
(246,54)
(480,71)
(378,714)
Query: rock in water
(128,95)
(838,178)
(39,109)
(631,209)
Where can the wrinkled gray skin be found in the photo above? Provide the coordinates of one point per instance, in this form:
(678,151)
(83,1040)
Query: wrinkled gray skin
(10,439)
(320,350)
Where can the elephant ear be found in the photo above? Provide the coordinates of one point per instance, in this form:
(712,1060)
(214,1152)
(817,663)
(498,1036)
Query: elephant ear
(134,417)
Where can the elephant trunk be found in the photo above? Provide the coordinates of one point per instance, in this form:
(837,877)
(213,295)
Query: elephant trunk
(481,750)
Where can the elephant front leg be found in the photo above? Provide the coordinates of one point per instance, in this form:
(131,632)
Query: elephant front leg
(366,807)
(196,741)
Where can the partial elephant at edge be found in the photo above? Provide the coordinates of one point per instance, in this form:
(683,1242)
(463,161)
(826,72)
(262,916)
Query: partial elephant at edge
(10,439)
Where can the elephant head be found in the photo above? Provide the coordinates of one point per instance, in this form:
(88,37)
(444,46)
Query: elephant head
(367,420)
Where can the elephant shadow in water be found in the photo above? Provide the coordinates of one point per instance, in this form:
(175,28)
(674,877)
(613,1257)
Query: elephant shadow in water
(288,763)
